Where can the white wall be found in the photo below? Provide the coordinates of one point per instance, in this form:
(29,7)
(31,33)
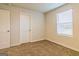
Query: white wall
(38,26)
(37,23)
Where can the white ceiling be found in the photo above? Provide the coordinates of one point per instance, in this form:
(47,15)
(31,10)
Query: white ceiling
(41,7)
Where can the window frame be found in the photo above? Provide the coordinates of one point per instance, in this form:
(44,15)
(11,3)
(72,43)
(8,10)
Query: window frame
(64,34)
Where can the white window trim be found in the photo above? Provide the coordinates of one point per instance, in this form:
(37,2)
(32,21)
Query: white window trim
(62,34)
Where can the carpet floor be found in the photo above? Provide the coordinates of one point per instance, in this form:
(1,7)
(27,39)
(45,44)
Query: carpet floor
(40,48)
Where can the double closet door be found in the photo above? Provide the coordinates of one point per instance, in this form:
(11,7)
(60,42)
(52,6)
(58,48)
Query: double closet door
(4,28)
(25,27)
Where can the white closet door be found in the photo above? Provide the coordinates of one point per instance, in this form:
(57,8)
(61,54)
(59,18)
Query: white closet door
(4,29)
(24,28)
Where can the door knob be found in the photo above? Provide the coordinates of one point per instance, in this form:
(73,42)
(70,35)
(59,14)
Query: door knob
(8,30)
(30,30)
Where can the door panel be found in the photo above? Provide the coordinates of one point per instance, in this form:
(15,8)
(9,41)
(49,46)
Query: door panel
(4,29)
(24,28)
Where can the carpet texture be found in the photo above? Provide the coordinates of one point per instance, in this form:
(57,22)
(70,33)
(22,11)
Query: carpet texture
(40,48)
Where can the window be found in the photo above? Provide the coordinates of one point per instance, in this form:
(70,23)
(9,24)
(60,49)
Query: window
(64,23)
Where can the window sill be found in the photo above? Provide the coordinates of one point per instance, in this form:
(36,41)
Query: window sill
(64,35)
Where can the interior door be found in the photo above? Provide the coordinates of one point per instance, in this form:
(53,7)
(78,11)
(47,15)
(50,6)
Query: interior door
(4,29)
(24,28)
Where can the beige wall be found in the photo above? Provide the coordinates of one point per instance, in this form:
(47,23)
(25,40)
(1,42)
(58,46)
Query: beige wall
(37,23)
(38,26)
(51,33)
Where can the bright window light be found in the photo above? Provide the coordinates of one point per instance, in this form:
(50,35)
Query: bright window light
(64,23)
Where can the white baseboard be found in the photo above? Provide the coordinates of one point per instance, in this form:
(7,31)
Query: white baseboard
(37,40)
(63,45)
(14,45)
(27,42)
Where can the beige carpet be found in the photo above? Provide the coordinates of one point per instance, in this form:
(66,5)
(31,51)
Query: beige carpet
(40,48)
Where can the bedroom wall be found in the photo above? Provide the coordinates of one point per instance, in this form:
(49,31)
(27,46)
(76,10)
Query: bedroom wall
(51,33)
(37,23)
